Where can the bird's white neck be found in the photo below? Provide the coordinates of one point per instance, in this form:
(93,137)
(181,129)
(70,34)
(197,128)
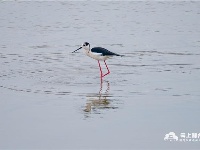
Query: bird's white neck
(87,51)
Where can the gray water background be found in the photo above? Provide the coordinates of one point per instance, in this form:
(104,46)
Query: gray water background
(51,98)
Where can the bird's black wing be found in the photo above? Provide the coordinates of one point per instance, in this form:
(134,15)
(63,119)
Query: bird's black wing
(103,51)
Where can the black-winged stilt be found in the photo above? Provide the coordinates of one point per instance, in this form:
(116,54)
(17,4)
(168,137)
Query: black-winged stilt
(97,53)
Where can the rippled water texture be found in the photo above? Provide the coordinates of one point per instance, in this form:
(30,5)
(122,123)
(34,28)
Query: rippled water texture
(52,98)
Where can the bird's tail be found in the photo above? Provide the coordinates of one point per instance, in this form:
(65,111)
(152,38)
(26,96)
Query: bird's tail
(120,55)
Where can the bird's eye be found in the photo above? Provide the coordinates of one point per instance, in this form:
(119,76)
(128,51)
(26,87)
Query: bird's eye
(84,45)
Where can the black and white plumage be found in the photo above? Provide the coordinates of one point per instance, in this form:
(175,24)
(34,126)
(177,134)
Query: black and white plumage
(103,51)
(97,53)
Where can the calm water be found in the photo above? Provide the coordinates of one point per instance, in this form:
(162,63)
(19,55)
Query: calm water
(51,98)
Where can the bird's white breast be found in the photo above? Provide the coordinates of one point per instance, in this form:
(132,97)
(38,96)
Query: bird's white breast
(97,56)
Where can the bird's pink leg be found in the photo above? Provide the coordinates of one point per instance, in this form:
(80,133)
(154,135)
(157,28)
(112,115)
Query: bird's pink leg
(100,70)
(107,69)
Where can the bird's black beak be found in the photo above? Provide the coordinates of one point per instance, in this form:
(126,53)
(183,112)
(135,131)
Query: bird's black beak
(77,49)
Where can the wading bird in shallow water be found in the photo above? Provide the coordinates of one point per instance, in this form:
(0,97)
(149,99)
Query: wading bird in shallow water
(98,53)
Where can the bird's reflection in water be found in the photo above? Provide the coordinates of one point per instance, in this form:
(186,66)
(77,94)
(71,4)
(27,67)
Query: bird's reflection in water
(100,100)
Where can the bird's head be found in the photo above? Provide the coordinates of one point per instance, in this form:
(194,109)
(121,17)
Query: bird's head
(85,46)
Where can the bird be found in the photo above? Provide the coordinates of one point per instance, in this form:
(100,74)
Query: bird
(99,54)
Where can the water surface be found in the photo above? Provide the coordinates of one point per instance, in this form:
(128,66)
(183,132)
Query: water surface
(52,98)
